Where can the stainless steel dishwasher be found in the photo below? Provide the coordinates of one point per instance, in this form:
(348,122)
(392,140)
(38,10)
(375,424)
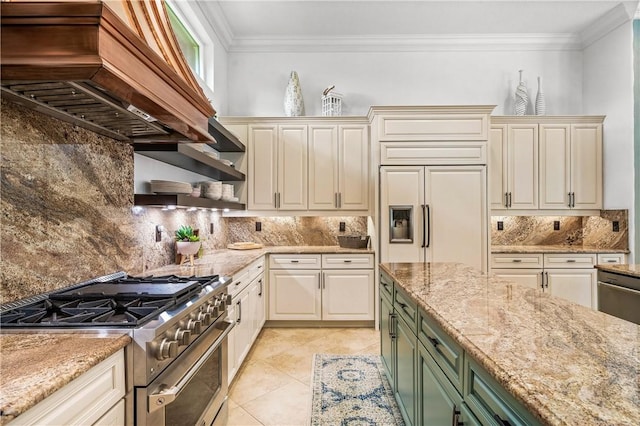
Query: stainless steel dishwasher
(619,295)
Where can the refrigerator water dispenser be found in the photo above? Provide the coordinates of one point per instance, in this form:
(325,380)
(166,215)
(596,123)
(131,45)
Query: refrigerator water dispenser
(400,226)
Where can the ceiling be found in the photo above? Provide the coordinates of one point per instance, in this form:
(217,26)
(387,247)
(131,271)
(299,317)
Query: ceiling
(242,23)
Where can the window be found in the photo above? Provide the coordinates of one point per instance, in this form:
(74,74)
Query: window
(188,44)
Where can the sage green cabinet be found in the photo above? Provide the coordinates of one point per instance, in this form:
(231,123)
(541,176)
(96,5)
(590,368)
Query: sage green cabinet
(434,381)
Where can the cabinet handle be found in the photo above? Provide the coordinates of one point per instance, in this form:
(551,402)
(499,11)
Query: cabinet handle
(506,199)
(275,200)
(546,276)
(239,282)
(542,280)
(509,199)
(433,340)
(573,199)
(339,200)
(611,261)
(295,261)
(323,281)
(392,325)
(428,225)
(260,292)
(517,260)
(500,421)
(239,305)
(335,199)
(346,261)
(571,261)
(569,200)
(455,416)
(278,200)
(424,226)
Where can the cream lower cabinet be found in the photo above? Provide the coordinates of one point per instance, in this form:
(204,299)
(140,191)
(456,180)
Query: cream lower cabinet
(568,276)
(247,311)
(339,288)
(338,167)
(94,398)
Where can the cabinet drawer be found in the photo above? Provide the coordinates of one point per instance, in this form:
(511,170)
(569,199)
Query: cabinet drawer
(490,401)
(447,353)
(347,261)
(569,260)
(410,153)
(612,258)
(242,279)
(294,261)
(433,127)
(406,308)
(508,260)
(83,401)
(386,287)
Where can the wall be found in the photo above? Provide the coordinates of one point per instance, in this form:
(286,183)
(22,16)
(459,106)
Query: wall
(465,76)
(68,215)
(636,101)
(608,89)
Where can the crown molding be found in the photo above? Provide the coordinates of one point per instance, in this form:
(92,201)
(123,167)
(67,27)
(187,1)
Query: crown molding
(217,21)
(460,42)
(621,13)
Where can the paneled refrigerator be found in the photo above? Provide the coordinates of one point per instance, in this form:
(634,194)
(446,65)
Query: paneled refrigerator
(434,214)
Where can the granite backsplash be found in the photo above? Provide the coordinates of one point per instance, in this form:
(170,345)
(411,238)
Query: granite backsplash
(68,214)
(586,231)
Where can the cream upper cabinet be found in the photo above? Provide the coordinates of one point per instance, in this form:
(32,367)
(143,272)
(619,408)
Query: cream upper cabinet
(277,167)
(338,167)
(571,166)
(513,166)
(263,164)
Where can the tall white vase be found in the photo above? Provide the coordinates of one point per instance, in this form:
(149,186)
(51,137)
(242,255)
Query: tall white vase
(293,102)
(541,105)
(522,98)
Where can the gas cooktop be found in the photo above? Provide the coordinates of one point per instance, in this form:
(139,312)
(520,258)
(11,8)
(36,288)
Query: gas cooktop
(120,301)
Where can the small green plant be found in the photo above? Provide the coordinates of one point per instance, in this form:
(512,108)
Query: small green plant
(186,233)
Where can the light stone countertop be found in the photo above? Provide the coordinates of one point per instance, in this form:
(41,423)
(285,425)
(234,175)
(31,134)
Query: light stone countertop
(227,262)
(630,270)
(569,365)
(553,249)
(35,365)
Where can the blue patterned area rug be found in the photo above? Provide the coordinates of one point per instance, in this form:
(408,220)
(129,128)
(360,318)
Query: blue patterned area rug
(352,390)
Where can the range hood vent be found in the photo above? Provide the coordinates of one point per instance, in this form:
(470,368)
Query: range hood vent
(94,66)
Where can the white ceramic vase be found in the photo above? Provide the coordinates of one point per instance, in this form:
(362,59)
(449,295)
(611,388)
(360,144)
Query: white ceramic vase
(293,102)
(187,248)
(522,98)
(541,105)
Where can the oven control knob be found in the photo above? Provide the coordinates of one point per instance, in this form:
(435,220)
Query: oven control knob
(194,326)
(212,309)
(167,349)
(183,337)
(228,300)
(205,318)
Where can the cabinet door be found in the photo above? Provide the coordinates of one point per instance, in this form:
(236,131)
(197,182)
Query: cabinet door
(498,167)
(575,285)
(438,401)
(555,166)
(347,295)
(232,363)
(323,167)
(244,326)
(522,150)
(586,165)
(292,167)
(353,167)
(387,339)
(263,165)
(456,223)
(260,306)
(528,277)
(294,295)
(113,417)
(402,186)
(405,369)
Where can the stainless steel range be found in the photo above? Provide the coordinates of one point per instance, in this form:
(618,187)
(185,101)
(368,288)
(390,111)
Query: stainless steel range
(179,336)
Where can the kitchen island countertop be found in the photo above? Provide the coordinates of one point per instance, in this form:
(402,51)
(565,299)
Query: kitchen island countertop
(27,377)
(227,262)
(569,365)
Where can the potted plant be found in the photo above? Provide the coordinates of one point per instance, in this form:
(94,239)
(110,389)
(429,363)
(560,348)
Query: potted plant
(187,243)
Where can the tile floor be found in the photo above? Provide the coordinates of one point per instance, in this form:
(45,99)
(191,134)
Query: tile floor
(273,386)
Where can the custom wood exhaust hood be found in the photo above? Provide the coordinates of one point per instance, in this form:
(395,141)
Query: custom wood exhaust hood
(113,67)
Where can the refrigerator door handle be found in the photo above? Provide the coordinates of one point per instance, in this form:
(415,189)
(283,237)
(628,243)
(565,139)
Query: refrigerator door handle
(428,226)
(424,226)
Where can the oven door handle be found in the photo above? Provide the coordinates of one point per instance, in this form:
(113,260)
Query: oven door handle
(167,394)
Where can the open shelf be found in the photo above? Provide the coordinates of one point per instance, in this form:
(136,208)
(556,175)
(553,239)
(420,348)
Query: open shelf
(185,201)
(227,142)
(189,158)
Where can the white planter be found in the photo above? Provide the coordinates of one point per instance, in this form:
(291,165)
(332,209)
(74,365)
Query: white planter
(187,248)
